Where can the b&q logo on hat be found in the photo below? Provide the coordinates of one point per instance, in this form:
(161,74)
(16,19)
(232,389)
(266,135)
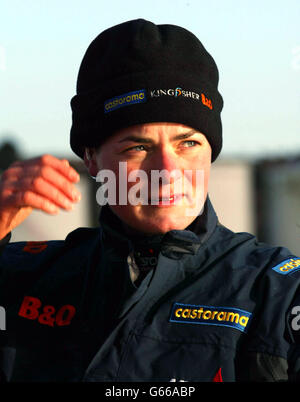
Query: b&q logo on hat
(127,99)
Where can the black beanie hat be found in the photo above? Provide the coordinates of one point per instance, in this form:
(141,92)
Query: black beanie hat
(138,72)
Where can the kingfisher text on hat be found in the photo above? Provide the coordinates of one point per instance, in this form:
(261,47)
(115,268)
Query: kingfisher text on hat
(178,92)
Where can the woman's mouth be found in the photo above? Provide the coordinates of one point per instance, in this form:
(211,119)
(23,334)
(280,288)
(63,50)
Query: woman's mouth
(172,200)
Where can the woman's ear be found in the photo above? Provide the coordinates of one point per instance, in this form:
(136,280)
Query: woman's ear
(90,161)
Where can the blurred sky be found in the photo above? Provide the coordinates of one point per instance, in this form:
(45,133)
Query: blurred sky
(256,45)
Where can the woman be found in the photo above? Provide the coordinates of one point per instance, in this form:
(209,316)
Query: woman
(161,291)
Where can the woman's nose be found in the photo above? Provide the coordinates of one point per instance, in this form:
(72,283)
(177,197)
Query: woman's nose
(164,159)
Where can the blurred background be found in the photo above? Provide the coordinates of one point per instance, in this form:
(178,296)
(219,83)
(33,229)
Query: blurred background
(255,183)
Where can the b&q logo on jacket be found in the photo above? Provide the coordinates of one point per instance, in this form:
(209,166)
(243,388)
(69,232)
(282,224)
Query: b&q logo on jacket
(209,315)
(31,308)
(288,266)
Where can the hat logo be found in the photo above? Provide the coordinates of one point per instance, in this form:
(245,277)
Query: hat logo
(179,92)
(126,99)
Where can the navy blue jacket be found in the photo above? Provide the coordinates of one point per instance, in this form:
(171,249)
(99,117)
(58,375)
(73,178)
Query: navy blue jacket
(220,306)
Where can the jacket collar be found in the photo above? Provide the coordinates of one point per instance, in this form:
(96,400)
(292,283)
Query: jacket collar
(172,244)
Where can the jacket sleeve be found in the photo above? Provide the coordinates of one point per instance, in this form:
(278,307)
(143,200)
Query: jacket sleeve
(288,273)
(6,353)
(21,266)
(293,333)
(4,242)
(37,269)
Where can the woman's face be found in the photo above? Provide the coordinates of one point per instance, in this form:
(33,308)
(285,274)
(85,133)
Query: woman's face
(147,150)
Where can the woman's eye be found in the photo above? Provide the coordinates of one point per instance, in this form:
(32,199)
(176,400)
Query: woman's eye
(190,143)
(137,148)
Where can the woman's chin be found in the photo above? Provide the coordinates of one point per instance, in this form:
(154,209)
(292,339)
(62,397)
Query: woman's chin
(157,226)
